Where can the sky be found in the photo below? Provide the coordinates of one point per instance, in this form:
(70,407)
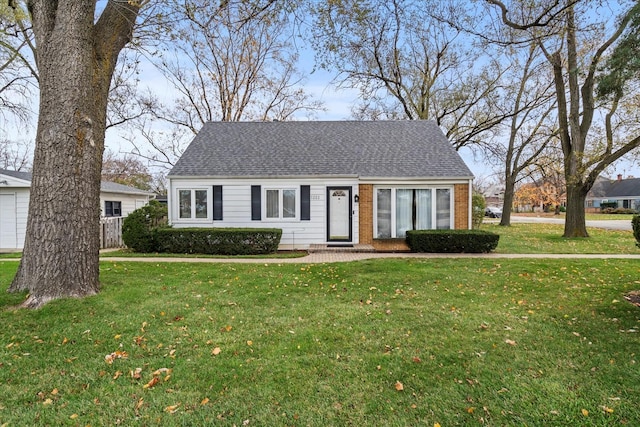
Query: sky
(337,102)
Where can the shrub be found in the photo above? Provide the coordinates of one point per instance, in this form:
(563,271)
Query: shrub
(218,241)
(635,224)
(452,241)
(478,204)
(139,226)
(618,211)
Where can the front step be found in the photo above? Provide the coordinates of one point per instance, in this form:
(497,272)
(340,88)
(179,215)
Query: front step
(340,247)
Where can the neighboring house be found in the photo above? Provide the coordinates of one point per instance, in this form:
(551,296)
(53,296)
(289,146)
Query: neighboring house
(494,195)
(340,182)
(625,193)
(115,200)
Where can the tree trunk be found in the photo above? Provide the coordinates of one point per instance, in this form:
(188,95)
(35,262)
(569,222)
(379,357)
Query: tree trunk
(75,62)
(507,203)
(575,221)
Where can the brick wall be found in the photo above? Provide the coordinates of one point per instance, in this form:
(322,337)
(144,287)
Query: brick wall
(461,206)
(365,206)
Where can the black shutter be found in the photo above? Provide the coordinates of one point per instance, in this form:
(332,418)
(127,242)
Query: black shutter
(305,202)
(255,203)
(217,202)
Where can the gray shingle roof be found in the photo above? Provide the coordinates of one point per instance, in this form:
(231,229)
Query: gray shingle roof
(105,186)
(605,188)
(378,149)
(625,187)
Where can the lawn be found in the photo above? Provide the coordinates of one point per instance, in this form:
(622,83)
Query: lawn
(380,342)
(526,238)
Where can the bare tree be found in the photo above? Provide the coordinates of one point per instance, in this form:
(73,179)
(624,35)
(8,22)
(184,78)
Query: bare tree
(223,62)
(530,129)
(127,170)
(409,65)
(576,37)
(16,155)
(18,76)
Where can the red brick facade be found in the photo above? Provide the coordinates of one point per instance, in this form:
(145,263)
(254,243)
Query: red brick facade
(365,206)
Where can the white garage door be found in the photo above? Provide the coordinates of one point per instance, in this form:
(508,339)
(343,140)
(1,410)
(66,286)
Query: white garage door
(8,225)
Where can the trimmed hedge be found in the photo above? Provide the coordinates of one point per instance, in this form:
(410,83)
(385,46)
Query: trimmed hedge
(218,241)
(138,228)
(635,224)
(452,241)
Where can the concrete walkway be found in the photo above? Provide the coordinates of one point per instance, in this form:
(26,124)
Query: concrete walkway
(319,258)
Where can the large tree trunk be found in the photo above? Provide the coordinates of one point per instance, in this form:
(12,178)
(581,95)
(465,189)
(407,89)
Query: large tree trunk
(509,187)
(575,221)
(75,60)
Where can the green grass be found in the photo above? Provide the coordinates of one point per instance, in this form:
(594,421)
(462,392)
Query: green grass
(527,238)
(473,342)
(131,254)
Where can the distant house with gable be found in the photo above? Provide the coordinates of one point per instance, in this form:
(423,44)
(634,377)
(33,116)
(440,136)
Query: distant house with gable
(116,200)
(619,193)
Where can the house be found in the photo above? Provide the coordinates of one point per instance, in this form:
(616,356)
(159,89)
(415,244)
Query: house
(115,200)
(329,182)
(623,193)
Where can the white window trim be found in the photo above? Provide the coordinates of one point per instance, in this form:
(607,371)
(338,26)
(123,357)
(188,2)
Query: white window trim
(193,190)
(434,211)
(280,203)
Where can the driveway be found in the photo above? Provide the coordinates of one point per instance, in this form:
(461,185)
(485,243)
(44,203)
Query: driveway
(606,224)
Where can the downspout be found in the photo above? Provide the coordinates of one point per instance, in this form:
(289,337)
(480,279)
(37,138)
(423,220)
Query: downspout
(470,205)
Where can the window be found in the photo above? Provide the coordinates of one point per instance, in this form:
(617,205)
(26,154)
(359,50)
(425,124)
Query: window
(112,208)
(398,210)
(193,204)
(280,203)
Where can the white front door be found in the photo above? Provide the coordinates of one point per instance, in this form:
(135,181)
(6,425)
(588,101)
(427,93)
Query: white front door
(8,223)
(339,214)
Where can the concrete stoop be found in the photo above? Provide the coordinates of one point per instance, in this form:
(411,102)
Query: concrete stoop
(340,248)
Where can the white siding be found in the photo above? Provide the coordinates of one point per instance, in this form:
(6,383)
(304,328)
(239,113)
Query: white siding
(236,208)
(21,212)
(130,202)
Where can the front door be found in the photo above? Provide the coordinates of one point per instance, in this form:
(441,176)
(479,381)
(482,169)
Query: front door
(339,214)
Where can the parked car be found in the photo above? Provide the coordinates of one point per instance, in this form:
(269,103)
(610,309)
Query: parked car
(493,212)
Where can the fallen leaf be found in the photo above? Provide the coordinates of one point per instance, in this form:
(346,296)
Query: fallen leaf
(54,391)
(152,383)
(510,342)
(161,371)
(470,410)
(139,403)
(216,351)
(117,375)
(585,412)
(436,425)
(135,374)
(47,402)
(73,416)
(204,401)
(109,358)
(172,409)
(249,342)
(399,386)
(416,360)
(607,410)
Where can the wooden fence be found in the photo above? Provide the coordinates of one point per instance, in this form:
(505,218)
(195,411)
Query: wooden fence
(111,232)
